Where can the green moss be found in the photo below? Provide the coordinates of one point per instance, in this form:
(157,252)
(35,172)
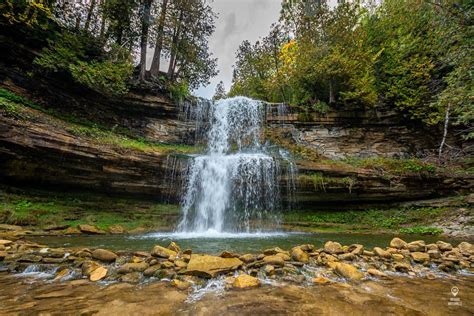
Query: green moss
(43,209)
(421,230)
(396,166)
(372,219)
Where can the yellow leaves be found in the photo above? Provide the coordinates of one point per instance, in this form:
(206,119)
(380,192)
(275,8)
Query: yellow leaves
(33,13)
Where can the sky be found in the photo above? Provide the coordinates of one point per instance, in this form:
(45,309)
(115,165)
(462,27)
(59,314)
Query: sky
(238,20)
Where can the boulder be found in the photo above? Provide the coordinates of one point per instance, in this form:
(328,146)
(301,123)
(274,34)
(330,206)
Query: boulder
(133,277)
(347,256)
(434,254)
(432,247)
(307,247)
(104,255)
(444,246)
(245,281)
(417,246)
(180,264)
(162,252)
(88,267)
(209,266)
(167,265)
(91,230)
(133,267)
(382,253)
(299,255)
(98,274)
(398,257)
(333,247)
(180,285)
(398,243)
(348,271)
(274,260)
(466,248)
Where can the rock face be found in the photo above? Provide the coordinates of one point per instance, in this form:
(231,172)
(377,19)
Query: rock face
(209,266)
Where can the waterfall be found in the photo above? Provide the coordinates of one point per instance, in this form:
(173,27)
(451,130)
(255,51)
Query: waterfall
(234,185)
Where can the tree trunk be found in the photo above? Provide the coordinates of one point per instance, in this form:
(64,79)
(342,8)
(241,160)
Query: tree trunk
(174,46)
(102,24)
(89,15)
(146,7)
(445,132)
(155,64)
(332,98)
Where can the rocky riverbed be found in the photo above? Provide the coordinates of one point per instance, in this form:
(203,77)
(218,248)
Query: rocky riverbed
(414,278)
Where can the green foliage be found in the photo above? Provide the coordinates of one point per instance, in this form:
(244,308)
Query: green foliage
(179,91)
(397,166)
(321,182)
(411,56)
(421,230)
(82,57)
(32,13)
(385,219)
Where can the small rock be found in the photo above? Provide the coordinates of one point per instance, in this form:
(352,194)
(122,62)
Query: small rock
(347,256)
(180,285)
(162,252)
(333,247)
(88,267)
(61,274)
(432,247)
(228,254)
(420,256)
(284,256)
(435,254)
(151,270)
(444,246)
(274,260)
(167,265)
(397,257)
(320,280)
(348,271)
(417,246)
(274,251)
(133,277)
(209,266)
(174,247)
(89,229)
(180,264)
(356,249)
(269,269)
(382,253)
(132,267)
(377,273)
(466,248)
(98,274)
(245,281)
(402,267)
(307,247)
(299,255)
(116,229)
(368,253)
(247,258)
(398,243)
(5,242)
(104,255)
(3,254)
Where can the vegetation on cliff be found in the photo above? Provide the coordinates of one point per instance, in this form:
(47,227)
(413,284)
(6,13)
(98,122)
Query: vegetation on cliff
(411,56)
(96,42)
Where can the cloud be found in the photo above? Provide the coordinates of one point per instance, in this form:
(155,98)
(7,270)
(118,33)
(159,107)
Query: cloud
(238,20)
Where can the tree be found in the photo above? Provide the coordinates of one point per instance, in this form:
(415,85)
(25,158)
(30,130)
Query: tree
(220,92)
(145,12)
(155,65)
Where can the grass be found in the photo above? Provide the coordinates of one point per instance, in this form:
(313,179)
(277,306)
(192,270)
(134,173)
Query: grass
(405,220)
(14,105)
(41,209)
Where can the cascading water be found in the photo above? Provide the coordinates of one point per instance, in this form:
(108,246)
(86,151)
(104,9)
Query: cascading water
(235,183)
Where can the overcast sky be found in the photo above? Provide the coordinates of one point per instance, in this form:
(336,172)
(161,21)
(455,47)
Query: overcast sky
(238,20)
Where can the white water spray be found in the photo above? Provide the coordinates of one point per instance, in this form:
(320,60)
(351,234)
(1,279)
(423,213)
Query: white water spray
(235,183)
